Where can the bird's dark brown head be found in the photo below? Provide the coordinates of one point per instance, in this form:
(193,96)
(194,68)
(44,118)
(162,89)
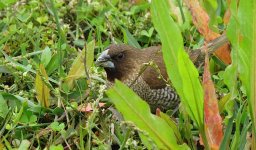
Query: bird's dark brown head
(119,61)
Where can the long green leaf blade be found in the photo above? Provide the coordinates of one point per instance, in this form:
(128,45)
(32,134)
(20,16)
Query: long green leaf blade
(242,34)
(136,110)
(180,69)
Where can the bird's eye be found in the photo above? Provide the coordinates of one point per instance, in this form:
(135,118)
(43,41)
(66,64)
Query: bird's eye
(120,56)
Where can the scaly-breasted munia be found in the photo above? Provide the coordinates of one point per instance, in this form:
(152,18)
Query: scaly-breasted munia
(128,64)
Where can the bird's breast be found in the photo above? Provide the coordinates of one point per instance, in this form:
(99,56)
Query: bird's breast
(163,98)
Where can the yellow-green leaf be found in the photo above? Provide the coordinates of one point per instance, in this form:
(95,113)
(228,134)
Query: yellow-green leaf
(173,125)
(42,91)
(77,69)
(89,54)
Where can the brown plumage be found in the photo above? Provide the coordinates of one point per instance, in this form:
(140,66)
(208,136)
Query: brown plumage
(128,64)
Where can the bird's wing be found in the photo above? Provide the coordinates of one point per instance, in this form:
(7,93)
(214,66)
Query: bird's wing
(155,76)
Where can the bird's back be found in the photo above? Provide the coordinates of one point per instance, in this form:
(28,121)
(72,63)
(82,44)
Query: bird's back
(155,75)
(152,84)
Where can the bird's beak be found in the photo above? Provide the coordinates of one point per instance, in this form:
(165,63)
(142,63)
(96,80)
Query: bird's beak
(104,60)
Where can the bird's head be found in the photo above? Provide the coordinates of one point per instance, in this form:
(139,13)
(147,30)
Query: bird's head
(119,61)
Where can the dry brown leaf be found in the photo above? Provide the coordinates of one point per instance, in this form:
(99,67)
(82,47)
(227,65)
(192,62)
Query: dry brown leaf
(88,107)
(212,118)
(201,21)
(137,2)
(227,14)
(158,111)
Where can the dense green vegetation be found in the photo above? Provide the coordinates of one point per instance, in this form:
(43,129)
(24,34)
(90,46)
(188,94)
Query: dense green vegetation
(53,96)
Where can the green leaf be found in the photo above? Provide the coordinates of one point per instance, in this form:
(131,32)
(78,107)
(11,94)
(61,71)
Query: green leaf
(56,126)
(4,107)
(58,111)
(230,75)
(8,2)
(46,56)
(58,147)
(145,33)
(223,102)
(180,69)
(241,32)
(2,5)
(76,71)
(5,3)
(228,132)
(17,98)
(42,19)
(24,145)
(211,8)
(231,72)
(90,54)
(4,69)
(23,17)
(236,139)
(53,64)
(173,125)
(150,32)
(27,116)
(129,39)
(136,110)
(79,42)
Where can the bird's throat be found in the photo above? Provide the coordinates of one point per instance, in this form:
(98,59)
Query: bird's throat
(113,74)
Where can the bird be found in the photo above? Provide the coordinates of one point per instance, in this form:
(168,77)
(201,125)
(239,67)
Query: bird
(143,70)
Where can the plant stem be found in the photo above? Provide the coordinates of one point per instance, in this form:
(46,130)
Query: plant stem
(212,46)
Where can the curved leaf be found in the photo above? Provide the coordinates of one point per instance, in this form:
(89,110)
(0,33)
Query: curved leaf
(180,69)
(136,110)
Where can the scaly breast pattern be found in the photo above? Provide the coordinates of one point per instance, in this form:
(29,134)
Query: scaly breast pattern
(164,98)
